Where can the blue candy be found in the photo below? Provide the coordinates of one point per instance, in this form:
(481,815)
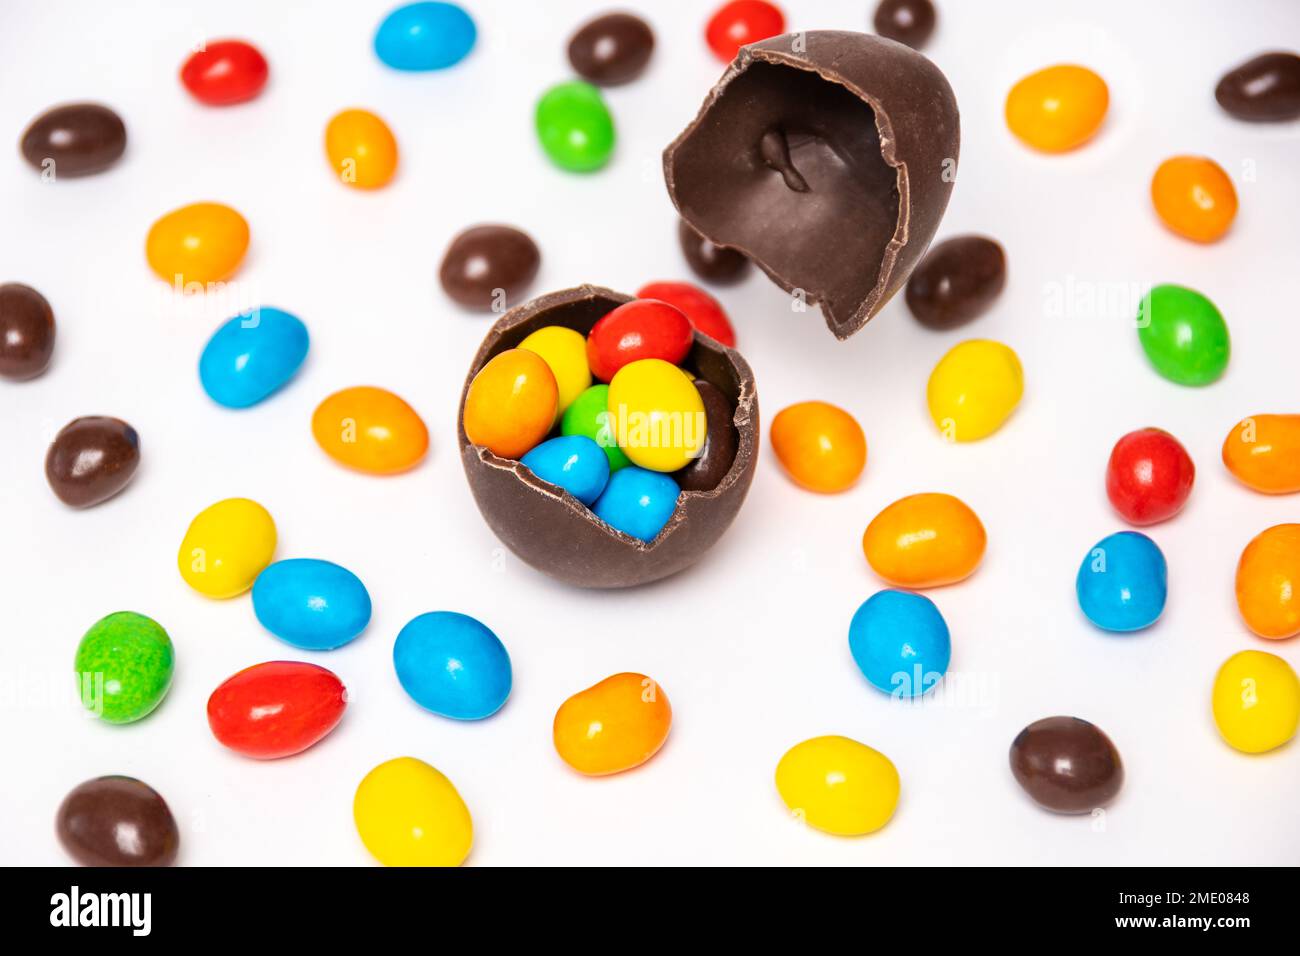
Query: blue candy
(311,604)
(452,665)
(900,642)
(252,356)
(574,462)
(425,36)
(1122,583)
(637,502)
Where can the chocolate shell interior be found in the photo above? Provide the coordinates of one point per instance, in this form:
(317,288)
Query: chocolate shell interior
(554,532)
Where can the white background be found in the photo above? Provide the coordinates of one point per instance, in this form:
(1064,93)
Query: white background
(751,644)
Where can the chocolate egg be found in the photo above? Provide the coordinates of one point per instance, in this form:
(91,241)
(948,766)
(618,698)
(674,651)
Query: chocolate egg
(26,332)
(117,821)
(74,140)
(91,459)
(553,531)
(827,158)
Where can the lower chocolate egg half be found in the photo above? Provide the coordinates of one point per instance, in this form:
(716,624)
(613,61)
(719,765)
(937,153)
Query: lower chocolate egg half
(557,534)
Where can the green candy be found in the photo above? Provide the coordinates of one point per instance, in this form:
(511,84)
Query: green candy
(575,127)
(589,416)
(1183,335)
(124,667)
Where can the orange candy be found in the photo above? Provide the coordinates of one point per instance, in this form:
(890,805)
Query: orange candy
(361,148)
(203,242)
(612,726)
(1194,197)
(923,541)
(511,403)
(1057,109)
(370,429)
(820,446)
(1268,582)
(1263,453)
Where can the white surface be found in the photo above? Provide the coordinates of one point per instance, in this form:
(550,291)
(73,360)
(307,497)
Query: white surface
(751,644)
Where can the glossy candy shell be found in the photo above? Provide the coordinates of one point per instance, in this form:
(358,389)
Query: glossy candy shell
(251,357)
(900,642)
(124,667)
(1256,701)
(117,821)
(226,547)
(225,72)
(409,814)
(1268,582)
(452,665)
(370,429)
(312,604)
(425,36)
(1123,582)
(1263,453)
(924,541)
(276,709)
(613,726)
(838,785)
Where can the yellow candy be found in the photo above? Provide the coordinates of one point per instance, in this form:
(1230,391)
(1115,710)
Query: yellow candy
(838,785)
(1256,701)
(226,547)
(565,351)
(409,814)
(974,389)
(657,415)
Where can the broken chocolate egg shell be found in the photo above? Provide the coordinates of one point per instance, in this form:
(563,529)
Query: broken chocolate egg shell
(826,157)
(553,531)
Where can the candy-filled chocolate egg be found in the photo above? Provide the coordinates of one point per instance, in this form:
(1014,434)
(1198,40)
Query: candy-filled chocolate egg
(826,157)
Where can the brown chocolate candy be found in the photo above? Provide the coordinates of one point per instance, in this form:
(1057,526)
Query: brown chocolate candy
(907,21)
(957,280)
(488,267)
(612,49)
(711,263)
(79,138)
(1066,764)
(117,821)
(26,332)
(719,450)
(1265,89)
(826,157)
(556,533)
(92,459)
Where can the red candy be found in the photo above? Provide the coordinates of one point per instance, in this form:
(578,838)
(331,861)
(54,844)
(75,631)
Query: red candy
(702,309)
(741,22)
(1149,476)
(225,72)
(641,329)
(276,709)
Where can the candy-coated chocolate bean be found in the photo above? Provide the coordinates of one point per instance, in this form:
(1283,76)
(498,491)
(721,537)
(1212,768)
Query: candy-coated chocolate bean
(225,72)
(511,403)
(276,709)
(565,352)
(704,312)
(200,243)
(409,814)
(117,821)
(574,126)
(226,547)
(1256,701)
(1066,765)
(1183,335)
(1149,476)
(26,332)
(124,666)
(1263,453)
(612,49)
(1122,582)
(489,267)
(452,665)
(252,356)
(92,459)
(573,462)
(740,23)
(1268,582)
(908,21)
(657,415)
(900,642)
(712,263)
(640,329)
(1264,89)
(370,429)
(589,416)
(924,541)
(361,148)
(820,446)
(425,36)
(613,726)
(956,281)
(1194,197)
(838,785)
(637,502)
(1058,108)
(974,389)
(720,444)
(313,604)
(74,140)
